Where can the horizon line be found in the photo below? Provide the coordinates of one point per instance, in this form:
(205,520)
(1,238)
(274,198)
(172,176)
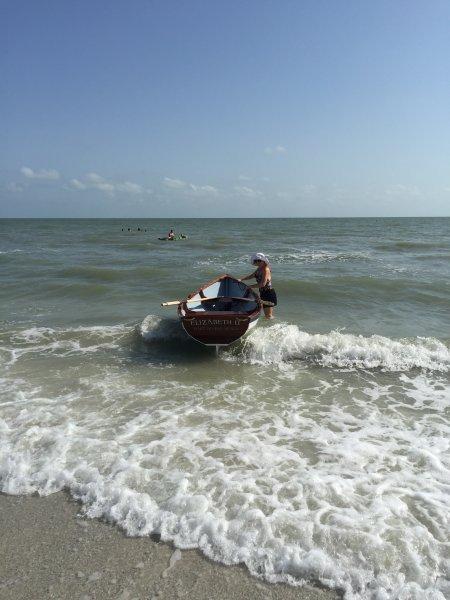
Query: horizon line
(218,218)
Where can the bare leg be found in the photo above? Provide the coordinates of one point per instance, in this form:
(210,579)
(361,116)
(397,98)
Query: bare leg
(268,312)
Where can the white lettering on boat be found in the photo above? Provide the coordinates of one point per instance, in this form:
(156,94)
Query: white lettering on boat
(198,322)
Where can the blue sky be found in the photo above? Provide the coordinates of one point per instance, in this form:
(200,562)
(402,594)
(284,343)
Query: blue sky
(231,108)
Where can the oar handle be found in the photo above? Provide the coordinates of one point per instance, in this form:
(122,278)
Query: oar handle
(171,303)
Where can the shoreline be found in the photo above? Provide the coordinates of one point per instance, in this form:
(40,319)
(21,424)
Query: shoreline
(49,551)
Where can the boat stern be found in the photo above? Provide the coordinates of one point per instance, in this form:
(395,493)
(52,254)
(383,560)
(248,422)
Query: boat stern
(216,329)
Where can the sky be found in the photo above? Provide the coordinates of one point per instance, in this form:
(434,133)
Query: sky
(230,108)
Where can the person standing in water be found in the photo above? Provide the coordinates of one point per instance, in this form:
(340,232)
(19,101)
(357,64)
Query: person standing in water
(263,276)
(171,234)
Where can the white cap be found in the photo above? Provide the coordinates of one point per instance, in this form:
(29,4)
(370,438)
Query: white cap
(259,256)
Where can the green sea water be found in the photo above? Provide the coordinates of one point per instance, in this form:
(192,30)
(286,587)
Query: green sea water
(316,448)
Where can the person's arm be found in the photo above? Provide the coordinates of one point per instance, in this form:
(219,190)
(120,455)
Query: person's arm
(248,277)
(265,279)
(254,285)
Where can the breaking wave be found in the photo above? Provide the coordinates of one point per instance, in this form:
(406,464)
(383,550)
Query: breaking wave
(159,329)
(283,342)
(277,345)
(336,477)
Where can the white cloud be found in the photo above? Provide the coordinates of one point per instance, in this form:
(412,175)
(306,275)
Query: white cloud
(14,187)
(201,190)
(50,174)
(244,178)
(400,189)
(94,181)
(275,149)
(77,184)
(97,182)
(175,184)
(302,192)
(190,189)
(248,192)
(130,187)
(105,186)
(95,178)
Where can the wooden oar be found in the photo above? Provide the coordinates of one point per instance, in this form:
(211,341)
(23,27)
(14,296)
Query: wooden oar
(176,302)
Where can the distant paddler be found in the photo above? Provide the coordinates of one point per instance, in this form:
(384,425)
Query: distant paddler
(263,276)
(171,234)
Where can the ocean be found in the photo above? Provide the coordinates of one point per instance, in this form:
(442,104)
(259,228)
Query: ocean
(314,449)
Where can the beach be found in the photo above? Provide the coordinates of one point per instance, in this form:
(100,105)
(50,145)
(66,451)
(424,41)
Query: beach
(49,550)
(315,449)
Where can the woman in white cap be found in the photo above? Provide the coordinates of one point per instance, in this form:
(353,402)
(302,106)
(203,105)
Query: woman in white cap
(263,278)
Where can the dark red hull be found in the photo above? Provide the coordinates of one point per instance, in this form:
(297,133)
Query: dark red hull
(215,329)
(220,312)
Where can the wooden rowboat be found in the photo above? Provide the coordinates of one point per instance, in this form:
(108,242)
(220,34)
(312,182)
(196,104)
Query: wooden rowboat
(220,312)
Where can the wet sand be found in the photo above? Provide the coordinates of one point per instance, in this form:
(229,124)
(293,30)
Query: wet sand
(48,551)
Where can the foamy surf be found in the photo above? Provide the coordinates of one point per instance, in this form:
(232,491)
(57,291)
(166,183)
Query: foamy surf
(60,341)
(341,481)
(283,342)
(159,329)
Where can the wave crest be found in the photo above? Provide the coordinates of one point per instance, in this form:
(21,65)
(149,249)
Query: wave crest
(283,342)
(159,329)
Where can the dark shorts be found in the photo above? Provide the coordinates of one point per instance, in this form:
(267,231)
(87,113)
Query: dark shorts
(269,295)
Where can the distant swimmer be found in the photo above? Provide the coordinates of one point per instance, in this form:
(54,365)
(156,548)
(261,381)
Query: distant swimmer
(263,276)
(171,235)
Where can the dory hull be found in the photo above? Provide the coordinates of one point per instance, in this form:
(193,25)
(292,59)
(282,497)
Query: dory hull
(217,330)
(220,312)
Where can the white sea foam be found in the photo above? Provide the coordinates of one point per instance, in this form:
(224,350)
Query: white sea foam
(61,341)
(156,329)
(337,484)
(73,341)
(295,256)
(340,477)
(44,333)
(283,342)
(306,255)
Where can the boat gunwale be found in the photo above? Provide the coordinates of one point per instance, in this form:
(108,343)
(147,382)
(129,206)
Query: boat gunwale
(254,313)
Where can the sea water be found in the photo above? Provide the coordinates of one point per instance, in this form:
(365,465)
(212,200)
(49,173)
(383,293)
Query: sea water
(315,449)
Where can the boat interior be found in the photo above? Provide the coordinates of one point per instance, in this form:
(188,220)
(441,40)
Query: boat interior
(225,295)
